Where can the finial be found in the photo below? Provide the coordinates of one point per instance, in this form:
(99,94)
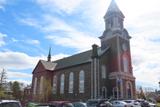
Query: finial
(49,55)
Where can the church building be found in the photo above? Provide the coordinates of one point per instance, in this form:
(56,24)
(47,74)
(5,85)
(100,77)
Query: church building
(103,72)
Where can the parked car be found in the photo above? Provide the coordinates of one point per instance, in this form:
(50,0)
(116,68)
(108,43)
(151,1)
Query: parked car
(45,105)
(10,103)
(98,103)
(31,104)
(79,104)
(152,104)
(143,103)
(118,103)
(132,103)
(61,103)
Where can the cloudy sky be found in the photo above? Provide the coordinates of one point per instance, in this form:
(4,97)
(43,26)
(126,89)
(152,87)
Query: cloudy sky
(29,27)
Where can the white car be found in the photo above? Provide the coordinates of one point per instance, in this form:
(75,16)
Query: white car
(10,103)
(152,104)
(132,103)
(118,103)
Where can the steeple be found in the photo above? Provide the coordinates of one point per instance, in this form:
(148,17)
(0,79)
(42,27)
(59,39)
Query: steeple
(49,55)
(113,17)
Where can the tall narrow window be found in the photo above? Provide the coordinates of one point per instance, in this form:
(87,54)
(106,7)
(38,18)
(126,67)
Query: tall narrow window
(103,71)
(81,81)
(41,85)
(129,90)
(35,85)
(104,92)
(125,64)
(71,82)
(62,84)
(54,84)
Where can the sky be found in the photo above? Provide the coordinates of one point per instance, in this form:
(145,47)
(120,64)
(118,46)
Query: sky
(28,28)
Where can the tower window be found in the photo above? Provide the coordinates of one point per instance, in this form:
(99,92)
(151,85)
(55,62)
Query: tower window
(125,64)
(103,71)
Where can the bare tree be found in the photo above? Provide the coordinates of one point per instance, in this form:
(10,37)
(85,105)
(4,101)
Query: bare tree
(3,78)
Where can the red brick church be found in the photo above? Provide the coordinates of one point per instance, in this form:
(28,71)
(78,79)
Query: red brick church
(102,72)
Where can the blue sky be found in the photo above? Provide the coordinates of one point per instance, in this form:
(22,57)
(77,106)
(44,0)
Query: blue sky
(29,27)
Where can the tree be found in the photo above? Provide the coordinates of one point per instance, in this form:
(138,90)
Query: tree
(16,90)
(141,94)
(46,90)
(3,78)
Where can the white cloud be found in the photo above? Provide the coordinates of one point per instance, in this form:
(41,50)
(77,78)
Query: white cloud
(11,61)
(68,6)
(33,42)
(12,74)
(68,36)
(21,61)
(17,60)
(29,21)
(2,36)
(2,3)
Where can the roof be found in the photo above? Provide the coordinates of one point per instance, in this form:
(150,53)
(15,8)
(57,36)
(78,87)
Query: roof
(73,60)
(113,8)
(48,65)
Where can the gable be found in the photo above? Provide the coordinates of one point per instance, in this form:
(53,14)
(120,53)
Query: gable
(39,67)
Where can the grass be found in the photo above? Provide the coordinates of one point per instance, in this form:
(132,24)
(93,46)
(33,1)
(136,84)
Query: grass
(158,104)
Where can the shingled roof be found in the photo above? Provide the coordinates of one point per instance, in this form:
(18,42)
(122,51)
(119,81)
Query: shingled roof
(76,59)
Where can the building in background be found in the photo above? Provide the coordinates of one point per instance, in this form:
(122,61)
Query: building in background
(102,72)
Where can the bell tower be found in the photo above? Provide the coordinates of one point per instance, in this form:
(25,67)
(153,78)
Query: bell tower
(117,39)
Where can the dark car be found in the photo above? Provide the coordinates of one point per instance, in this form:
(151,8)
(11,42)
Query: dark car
(10,103)
(62,103)
(143,103)
(98,103)
(79,104)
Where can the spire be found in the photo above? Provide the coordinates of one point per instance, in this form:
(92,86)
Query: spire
(113,8)
(49,55)
(113,17)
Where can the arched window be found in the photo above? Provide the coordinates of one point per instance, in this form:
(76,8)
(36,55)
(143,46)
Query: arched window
(104,92)
(71,82)
(62,84)
(35,85)
(54,84)
(103,71)
(125,64)
(41,85)
(129,90)
(81,81)
(114,90)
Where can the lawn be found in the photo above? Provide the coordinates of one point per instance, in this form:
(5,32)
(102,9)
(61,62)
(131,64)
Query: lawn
(158,104)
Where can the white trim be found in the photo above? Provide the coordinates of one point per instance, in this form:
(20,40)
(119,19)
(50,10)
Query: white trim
(114,35)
